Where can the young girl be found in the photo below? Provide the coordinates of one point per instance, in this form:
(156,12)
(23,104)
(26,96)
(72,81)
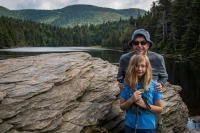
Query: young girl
(139,98)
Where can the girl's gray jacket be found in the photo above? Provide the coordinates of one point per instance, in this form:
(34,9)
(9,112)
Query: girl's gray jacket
(157,63)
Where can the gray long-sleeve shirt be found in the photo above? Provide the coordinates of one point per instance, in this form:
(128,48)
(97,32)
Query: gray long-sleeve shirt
(157,64)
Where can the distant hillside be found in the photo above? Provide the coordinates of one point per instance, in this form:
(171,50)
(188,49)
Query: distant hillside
(73,15)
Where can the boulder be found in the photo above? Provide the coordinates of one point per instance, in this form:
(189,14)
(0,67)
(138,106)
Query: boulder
(175,113)
(69,93)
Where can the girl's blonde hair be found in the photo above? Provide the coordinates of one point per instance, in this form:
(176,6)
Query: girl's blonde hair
(131,78)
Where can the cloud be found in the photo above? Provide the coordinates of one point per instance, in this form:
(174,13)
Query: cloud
(52,4)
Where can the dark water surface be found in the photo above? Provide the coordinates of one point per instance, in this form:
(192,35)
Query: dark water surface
(182,73)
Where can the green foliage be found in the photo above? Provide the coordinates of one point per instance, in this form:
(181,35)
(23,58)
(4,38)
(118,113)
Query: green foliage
(93,128)
(79,99)
(173,25)
(20,33)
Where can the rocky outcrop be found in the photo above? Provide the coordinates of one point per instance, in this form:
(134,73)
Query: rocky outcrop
(175,114)
(65,93)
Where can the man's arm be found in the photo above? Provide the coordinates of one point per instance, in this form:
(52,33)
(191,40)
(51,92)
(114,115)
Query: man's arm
(123,64)
(163,76)
(121,72)
(158,69)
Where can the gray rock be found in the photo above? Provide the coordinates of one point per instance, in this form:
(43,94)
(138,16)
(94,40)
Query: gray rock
(60,93)
(175,114)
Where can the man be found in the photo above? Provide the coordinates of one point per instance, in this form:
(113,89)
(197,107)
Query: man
(141,43)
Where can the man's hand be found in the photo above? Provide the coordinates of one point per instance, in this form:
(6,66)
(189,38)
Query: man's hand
(159,87)
(121,86)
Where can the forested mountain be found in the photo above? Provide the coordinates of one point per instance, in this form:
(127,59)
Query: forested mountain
(23,33)
(73,15)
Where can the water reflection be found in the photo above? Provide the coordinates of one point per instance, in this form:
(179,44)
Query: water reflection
(106,54)
(186,74)
(193,124)
(52,49)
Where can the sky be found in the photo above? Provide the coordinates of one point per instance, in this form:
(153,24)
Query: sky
(58,4)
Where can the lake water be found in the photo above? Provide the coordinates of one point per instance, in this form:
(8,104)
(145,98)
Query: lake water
(182,73)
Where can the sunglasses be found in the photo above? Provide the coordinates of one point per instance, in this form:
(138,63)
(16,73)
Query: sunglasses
(136,43)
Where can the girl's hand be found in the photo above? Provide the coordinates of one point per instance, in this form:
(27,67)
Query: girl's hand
(141,103)
(136,96)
